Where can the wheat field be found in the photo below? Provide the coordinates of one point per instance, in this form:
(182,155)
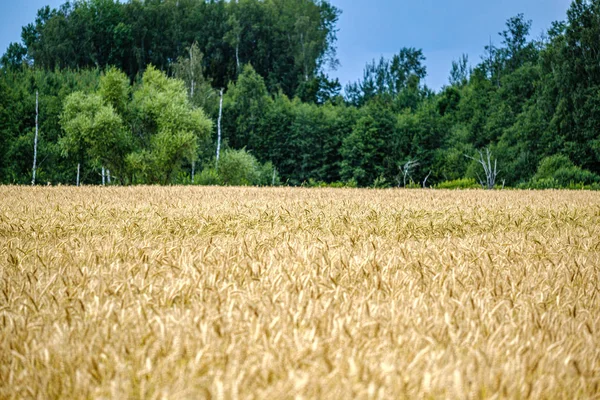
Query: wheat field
(234,293)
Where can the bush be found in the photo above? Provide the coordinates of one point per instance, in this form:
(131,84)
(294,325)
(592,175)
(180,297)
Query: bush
(413,185)
(268,175)
(551,183)
(381,183)
(567,176)
(540,184)
(208,177)
(558,171)
(238,168)
(549,165)
(338,185)
(465,183)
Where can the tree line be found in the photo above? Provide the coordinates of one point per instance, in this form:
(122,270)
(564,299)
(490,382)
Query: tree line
(149,90)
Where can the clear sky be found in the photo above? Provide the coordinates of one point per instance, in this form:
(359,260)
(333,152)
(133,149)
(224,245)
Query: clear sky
(370,28)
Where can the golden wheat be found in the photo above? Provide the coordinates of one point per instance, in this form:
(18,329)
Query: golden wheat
(234,293)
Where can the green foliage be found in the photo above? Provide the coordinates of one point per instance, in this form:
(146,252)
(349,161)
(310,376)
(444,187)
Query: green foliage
(381,183)
(370,151)
(398,80)
(549,165)
(115,90)
(288,42)
(169,129)
(238,168)
(412,185)
(466,183)
(534,104)
(335,185)
(15,57)
(558,171)
(244,110)
(17,123)
(93,130)
(551,183)
(208,177)
(190,69)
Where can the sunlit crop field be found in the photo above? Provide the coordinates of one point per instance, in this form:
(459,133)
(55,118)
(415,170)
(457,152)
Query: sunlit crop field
(228,293)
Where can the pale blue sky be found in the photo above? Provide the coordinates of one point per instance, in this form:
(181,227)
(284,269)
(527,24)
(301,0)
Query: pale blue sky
(371,28)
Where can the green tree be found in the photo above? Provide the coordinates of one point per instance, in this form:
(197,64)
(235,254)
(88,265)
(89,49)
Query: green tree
(459,74)
(190,69)
(287,42)
(17,121)
(15,56)
(93,129)
(244,109)
(168,128)
(398,80)
(115,90)
(371,150)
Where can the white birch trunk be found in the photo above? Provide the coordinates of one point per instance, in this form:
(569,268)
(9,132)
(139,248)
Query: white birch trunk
(103,177)
(35,139)
(219,129)
(192,73)
(108,176)
(193,170)
(78,170)
(237,54)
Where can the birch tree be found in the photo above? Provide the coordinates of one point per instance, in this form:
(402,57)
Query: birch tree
(219,129)
(35,139)
(234,37)
(190,70)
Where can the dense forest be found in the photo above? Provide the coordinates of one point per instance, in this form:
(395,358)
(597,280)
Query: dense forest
(216,92)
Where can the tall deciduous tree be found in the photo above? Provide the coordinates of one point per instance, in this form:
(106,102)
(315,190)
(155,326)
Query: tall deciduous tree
(190,69)
(168,129)
(93,130)
(287,42)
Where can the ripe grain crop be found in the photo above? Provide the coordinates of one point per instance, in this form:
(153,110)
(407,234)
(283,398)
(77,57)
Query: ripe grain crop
(231,293)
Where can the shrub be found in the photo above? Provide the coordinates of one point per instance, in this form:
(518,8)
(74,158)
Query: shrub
(551,183)
(208,177)
(558,171)
(567,176)
(381,183)
(549,165)
(465,183)
(238,168)
(338,184)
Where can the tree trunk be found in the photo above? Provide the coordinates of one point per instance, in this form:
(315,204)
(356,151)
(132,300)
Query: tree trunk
(237,54)
(425,181)
(78,170)
(193,170)
(103,177)
(219,129)
(192,73)
(108,176)
(35,139)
